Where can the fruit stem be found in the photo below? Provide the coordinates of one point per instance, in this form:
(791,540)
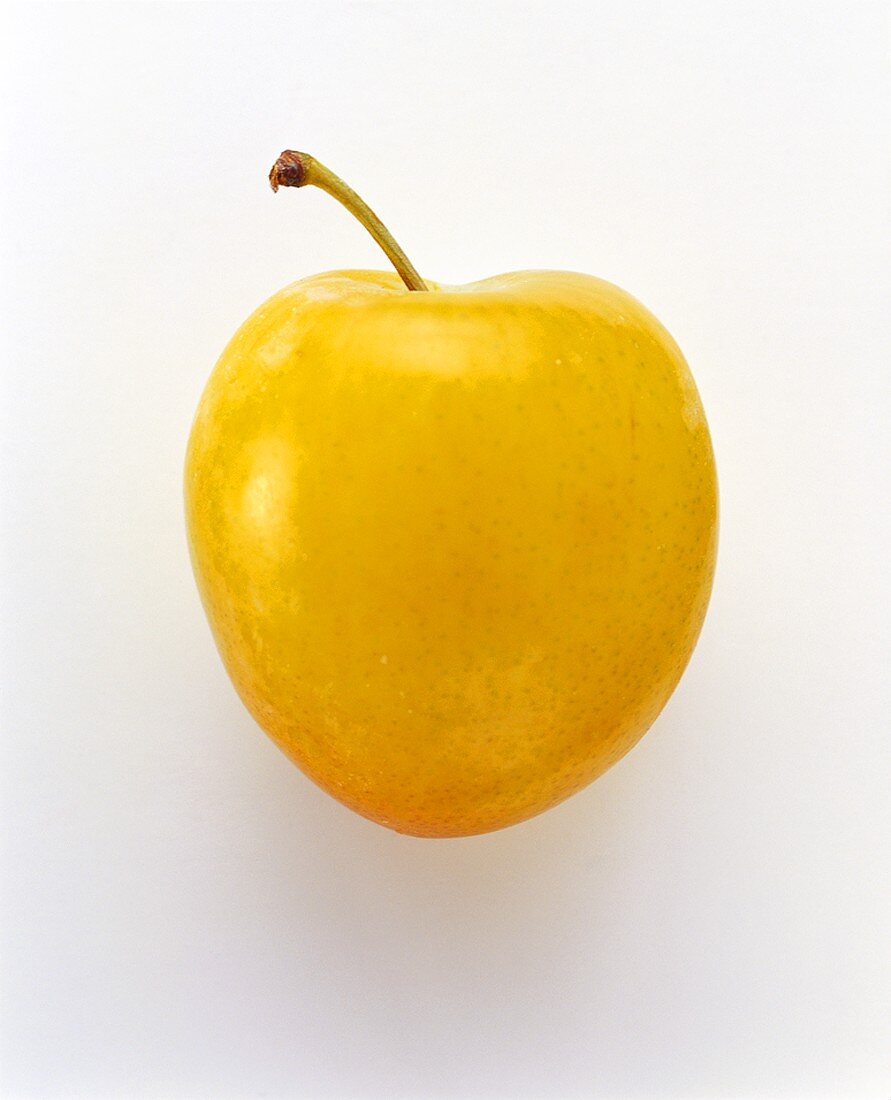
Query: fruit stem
(294,169)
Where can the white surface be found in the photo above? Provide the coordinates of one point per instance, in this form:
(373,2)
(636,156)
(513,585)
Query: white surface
(183,913)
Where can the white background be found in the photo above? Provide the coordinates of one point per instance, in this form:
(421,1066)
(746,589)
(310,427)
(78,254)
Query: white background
(184,914)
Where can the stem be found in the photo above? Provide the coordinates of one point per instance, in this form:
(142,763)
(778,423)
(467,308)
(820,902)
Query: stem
(301,170)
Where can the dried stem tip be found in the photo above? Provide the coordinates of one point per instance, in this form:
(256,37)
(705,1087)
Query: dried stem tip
(289,170)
